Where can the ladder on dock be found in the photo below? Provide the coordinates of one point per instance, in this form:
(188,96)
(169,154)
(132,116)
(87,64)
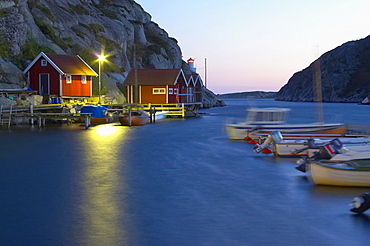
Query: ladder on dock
(5,117)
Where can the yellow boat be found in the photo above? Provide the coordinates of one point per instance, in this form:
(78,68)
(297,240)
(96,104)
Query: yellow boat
(350,173)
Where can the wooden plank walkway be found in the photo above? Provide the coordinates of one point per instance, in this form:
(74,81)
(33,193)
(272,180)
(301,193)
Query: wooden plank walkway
(41,118)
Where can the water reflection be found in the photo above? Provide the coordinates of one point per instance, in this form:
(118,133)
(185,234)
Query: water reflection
(102,186)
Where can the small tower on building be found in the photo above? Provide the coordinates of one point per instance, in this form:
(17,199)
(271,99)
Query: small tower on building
(191,65)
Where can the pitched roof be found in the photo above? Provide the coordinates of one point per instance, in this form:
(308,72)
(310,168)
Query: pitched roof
(189,79)
(153,76)
(197,79)
(65,64)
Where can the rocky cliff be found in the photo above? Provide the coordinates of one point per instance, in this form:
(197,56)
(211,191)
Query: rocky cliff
(344,74)
(120,29)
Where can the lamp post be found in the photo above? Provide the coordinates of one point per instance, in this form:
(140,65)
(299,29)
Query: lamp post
(101,59)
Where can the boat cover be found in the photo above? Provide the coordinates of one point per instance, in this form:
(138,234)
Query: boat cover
(96,111)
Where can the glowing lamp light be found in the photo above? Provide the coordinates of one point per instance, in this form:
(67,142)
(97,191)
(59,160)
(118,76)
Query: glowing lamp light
(101,58)
(190,60)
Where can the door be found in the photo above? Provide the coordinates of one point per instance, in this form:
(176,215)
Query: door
(44,84)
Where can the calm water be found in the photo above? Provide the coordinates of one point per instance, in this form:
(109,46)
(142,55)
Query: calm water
(176,182)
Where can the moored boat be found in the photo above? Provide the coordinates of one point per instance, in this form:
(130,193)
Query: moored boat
(294,148)
(334,151)
(99,114)
(262,121)
(134,118)
(351,173)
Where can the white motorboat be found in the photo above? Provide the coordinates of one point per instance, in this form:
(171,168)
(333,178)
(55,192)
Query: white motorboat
(261,122)
(294,148)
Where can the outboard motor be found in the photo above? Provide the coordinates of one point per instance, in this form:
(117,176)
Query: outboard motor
(330,149)
(360,203)
(274,137)
(310,145)
(326,151)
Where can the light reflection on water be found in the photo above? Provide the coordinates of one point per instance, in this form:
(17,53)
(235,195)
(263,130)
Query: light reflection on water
(102,185)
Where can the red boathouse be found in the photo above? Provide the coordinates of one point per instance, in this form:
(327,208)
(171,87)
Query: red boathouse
(159,86)
(60,75)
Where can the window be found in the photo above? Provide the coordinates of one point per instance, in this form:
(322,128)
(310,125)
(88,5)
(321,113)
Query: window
(176,91)
(170,90)
(68,79)
(159,90)
(83,79)
(44,63)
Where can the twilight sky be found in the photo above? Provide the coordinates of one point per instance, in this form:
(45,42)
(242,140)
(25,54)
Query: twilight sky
(258,44)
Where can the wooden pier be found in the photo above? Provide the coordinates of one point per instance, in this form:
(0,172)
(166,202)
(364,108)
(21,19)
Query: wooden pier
(40,118)
(175,109)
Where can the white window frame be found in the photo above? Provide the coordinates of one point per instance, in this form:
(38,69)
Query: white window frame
(83,79)
(170,90)
(159,91)
(176,91)
(44,63)
(69,79)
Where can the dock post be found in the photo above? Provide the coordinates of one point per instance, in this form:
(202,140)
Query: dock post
(154,112)
(129,116)
(87,121)
(150,113)
(31,111)
(39,121)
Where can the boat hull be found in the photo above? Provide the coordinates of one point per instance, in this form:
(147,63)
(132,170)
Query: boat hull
(135,120)
(338,174)
(98,121)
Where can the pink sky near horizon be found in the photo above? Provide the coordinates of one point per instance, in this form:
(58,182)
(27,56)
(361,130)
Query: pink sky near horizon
(257,45)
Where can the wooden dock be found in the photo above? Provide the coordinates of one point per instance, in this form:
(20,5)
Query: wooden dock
(175,109)
(181,110)
(40,118)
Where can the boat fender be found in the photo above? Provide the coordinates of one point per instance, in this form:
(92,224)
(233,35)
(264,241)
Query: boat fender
(360,203)
(267,151)
(247,138)
(252,141)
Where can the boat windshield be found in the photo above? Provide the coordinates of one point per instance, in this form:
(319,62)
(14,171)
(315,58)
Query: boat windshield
(267,116)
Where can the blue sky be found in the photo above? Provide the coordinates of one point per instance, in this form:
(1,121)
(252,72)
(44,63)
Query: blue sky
(258,44)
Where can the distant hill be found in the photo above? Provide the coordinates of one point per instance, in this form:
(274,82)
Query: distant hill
(250,94)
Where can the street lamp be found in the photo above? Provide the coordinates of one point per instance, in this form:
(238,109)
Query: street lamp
(101,59)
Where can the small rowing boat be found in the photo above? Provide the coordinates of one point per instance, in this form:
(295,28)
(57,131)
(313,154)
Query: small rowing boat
(351,173)
(134,118)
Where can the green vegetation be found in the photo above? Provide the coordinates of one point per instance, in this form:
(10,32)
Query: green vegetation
(3,13)
(78,32)
(96,28)
(28,52)
(43,9)
(48,30)
(103,6)
(4,48)
(45,28)
(108,44)
(79,9)
(157,43)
